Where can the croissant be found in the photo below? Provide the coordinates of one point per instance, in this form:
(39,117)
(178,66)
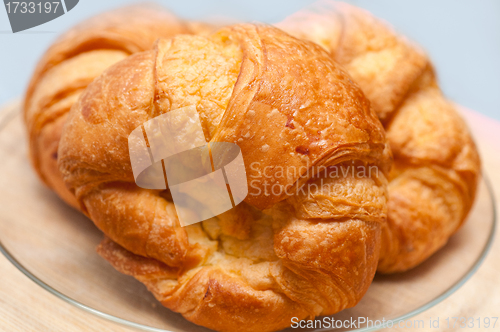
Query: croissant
(432,184)
(280,253)
(72,62)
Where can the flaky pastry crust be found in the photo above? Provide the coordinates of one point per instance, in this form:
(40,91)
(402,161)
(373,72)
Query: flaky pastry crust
(433,183)
(75,60)
(275,256)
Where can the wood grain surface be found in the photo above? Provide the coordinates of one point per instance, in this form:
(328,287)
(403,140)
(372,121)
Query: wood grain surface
(25,306)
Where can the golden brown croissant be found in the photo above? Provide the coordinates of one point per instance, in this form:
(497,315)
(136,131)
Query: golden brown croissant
(73,61)
(436,165)
(280,254)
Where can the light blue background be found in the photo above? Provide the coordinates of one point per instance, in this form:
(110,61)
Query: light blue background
(461,36)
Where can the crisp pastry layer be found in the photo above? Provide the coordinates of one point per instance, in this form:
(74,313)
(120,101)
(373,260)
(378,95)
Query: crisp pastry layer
(277,255)
(75,60)
(433,183)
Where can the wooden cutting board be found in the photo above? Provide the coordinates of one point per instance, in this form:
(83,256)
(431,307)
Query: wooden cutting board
(24,306)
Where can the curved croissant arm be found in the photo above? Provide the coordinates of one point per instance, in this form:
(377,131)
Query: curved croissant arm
(75,60)
(436,165)
(319,261)
(278,254)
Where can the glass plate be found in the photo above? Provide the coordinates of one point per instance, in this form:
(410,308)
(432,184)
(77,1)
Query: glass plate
(54,246)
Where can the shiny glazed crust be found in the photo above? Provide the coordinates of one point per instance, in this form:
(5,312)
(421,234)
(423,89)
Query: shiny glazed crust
(75,60)
(287,105)
(436,165)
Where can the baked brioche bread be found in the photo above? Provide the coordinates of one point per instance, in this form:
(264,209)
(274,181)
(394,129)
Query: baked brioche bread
(279,254)
(436,165)
(73,61)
